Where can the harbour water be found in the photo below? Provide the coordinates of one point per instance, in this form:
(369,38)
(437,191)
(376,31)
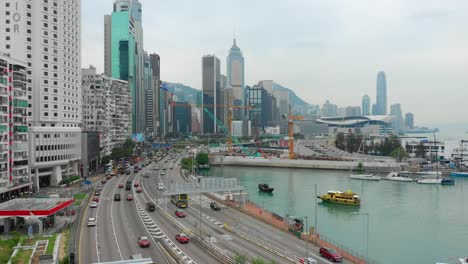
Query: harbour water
(408,222)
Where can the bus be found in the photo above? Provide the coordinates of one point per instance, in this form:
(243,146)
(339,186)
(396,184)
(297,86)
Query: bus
(180,200)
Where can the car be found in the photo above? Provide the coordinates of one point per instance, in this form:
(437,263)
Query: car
(93,204)
(103,181)
(121,185)
(214,206)
(117,197)
(99,186)
(97,193)
(139,190)
(156,168)
(182,238)
(109,177)
(91,221)
(160,186)
(308,260)
(150,206)
(143,242)
(180,213)
(331,254)
(129,197)
(163,173)
(136,184)
(128,172)
(95,199)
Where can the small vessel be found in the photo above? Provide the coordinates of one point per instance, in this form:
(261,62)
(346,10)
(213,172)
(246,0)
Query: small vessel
(429,173)
(459,174)
(395,176)
(263,187)
(430,181)
(447,181)
(366,177)
(337,197)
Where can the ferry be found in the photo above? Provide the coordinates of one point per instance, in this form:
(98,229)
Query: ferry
(337,197)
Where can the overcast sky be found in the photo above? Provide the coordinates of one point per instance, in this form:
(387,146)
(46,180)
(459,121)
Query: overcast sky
(322,49)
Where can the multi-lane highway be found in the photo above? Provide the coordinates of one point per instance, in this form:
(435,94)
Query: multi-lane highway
(115,237)
(120,223)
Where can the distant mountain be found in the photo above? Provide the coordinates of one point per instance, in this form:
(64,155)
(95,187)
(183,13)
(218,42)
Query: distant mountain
(184,93)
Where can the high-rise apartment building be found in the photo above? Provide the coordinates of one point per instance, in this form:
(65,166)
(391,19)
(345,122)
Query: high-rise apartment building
(107,107)
(409,120)
(14,172)
(155,63)
(353,111)
(381,105)
(124,55)
(366,105)
(149,102)
(329,109)
(211,89)
(235,72)
(47,36)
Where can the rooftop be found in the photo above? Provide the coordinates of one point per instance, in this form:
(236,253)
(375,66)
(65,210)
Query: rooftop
(34,206)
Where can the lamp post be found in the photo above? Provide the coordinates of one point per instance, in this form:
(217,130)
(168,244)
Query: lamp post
(306,240)
(367,234)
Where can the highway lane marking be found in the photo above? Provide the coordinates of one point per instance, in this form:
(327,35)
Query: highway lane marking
(96,229)
(113,226)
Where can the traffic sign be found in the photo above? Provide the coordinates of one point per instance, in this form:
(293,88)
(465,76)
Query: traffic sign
(87,182)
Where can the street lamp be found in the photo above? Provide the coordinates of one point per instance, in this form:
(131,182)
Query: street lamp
(367,233)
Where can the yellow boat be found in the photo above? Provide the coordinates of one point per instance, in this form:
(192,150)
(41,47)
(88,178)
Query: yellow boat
(346,198)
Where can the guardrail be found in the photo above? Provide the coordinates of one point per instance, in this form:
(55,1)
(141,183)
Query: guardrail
(75,230)
(263,244)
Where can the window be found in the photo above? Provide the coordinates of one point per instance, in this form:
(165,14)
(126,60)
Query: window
(7,21)
(7,46)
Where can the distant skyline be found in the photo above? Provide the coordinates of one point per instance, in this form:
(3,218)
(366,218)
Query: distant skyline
(324,49)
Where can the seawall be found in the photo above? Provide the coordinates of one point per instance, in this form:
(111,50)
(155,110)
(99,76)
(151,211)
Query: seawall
(307,164)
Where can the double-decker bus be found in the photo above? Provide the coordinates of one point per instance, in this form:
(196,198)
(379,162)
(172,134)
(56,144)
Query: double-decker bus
(180,200)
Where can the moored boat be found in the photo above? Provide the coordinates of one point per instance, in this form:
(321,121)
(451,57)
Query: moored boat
(447,181)
(366,177)
(429,173)
(337,197)
(263,187)
(395,176)
(459,174)
(430,181)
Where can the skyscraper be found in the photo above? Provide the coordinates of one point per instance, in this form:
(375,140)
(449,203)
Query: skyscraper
(381,94)
(409,120)
(156,78)
(366,106)
(235,72)
(123,53)
(211,92)
(395,111)
(149,103)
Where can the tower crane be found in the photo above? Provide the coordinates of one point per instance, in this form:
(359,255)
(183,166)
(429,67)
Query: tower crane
(291,119)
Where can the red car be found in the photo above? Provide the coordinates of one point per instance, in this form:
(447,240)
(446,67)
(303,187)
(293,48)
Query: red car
(109,177)
(139,190)
(136,184)
(129,197)
(143,242)
(331,254)
(103,181)
(95,199)
(182,238)
(180,213)
(121,185)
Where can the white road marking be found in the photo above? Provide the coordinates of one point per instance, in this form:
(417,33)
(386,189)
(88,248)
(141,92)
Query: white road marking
(113,226)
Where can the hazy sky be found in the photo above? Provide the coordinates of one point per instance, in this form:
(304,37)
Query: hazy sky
(322,49)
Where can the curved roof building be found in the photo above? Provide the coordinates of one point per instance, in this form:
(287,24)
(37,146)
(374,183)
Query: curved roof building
(357,121)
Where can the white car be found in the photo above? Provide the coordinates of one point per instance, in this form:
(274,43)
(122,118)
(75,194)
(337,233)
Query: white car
(91,221)
(156,168)
(160,186)
(93,204)
(163,173)
(308,260)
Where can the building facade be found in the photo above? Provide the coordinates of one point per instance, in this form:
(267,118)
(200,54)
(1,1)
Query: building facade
(235,72)
(107,107)
(395,110)
(47,36)
(182,119)
(409,121)
(366,105)
(329,109)
(149,103)
(14,170)
(381,105)
(211,89)
(155,62)
(353,111)
(123,53)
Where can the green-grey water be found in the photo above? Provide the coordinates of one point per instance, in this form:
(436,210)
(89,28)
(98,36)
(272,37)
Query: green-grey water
(408,222)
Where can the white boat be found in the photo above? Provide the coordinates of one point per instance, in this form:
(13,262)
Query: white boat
(366,177)
(395,176)
(463,260)
(430,181)
(429,173)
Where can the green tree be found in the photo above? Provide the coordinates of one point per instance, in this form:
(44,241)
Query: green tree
(202,158)
(258,261)
(399,154)
(239,259)
(187,163)
(340,141)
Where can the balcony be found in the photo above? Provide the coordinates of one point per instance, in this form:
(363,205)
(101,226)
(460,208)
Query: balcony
(3,128)
(20,147)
